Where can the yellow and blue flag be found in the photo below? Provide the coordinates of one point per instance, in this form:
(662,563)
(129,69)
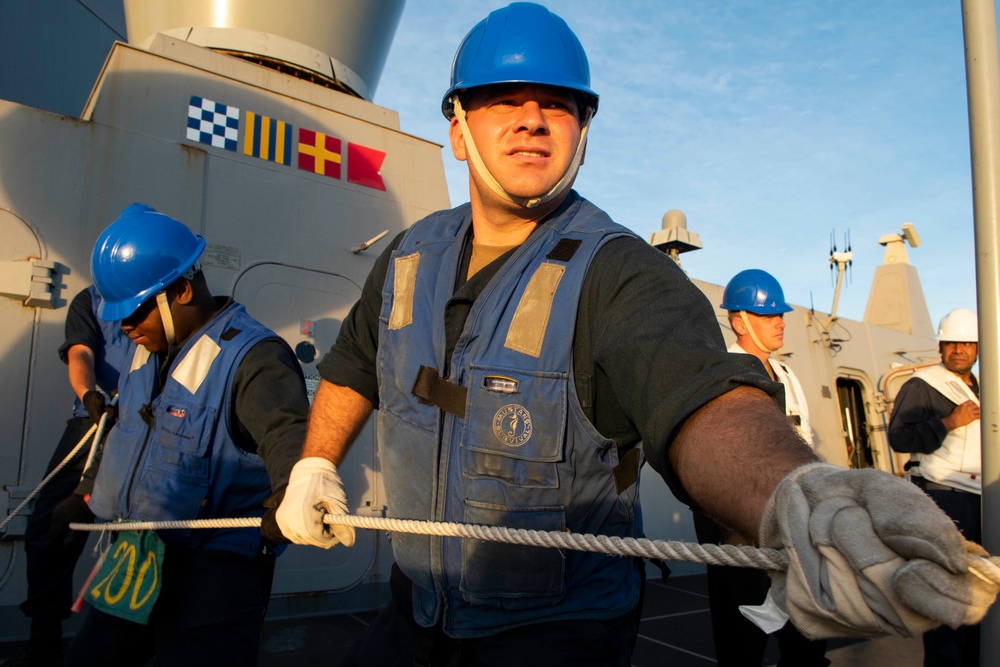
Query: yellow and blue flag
(267,138)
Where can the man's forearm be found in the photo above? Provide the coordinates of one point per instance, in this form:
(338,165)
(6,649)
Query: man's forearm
(337,416)
(732,453)
(80,362)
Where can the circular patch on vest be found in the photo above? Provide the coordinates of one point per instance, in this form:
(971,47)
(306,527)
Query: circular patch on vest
(512,425)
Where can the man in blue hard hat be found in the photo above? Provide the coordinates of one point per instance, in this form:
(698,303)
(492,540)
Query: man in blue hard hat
(756,306)
(212,413)
(92,351)
(756,309)
(518,349)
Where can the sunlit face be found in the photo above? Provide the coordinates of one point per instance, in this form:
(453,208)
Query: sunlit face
(958,357)
(526,135)
(770,329)
(145,327)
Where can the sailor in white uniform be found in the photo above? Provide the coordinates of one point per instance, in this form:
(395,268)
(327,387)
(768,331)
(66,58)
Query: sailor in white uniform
(756,305)
(935,418)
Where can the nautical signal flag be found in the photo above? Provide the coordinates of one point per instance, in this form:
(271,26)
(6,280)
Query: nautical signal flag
(270,139)
(319,153)
(267,138)
(213,123)
(364,166)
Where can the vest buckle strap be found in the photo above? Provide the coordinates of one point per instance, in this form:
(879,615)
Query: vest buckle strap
(431,389)
(627,471)
(564,250)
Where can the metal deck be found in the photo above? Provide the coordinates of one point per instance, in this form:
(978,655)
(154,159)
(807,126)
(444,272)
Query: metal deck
(676,631)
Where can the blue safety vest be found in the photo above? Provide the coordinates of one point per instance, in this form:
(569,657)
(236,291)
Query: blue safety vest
(515,449)
(171,455)
(109,359)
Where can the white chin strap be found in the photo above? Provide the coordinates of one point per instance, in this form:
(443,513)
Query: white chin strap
(168,320)
(753,334)
(477,162)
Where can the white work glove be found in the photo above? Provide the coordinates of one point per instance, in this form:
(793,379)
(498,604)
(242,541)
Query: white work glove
(869,554)
(314,489)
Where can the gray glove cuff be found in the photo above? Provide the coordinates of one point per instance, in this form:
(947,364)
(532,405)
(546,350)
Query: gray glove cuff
(767,535)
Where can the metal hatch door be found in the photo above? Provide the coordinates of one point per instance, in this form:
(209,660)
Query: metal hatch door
(865,421)
(306,307)
(854,419)
(20,246)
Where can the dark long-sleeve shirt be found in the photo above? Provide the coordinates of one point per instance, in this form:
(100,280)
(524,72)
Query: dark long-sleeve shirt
(915,426)
(648,351)
(269,410)
(81,327)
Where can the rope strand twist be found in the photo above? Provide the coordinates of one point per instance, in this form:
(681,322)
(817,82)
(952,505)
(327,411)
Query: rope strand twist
(711,554)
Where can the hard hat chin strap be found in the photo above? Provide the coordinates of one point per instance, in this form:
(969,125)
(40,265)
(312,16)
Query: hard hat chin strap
(530,202)
(168,320)
(753,334)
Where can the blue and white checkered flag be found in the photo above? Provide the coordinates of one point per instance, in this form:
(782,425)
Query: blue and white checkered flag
(213,123)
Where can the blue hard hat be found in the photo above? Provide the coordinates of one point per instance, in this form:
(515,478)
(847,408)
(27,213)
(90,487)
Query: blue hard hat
(137,207)
(520,43)
(755,291)
(139,255)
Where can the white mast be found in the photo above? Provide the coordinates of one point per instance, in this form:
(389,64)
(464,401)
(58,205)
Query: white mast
(979,21)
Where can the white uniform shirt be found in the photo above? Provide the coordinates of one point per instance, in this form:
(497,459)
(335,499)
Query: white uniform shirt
(958,461)
(795,399)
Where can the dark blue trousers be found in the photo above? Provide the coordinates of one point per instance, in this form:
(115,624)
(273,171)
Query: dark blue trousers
(50,566)
(738,642)
(945,646)
(209,614)
(395,640)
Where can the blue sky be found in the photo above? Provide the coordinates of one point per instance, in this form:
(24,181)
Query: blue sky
(769,124)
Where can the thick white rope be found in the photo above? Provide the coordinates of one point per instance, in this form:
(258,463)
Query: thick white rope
(99,427)
(712,554)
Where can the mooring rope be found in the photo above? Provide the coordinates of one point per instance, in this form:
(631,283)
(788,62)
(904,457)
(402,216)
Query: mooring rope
(99,427)
(712,554)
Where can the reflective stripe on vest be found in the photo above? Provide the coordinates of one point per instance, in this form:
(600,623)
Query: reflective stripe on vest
(172,457)
(523,455)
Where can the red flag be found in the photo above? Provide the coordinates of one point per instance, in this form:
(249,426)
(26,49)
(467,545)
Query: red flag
(364,166)
(319,153)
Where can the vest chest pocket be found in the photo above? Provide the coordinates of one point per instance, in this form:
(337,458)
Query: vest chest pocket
(181,435)
(515,427)
(175,482)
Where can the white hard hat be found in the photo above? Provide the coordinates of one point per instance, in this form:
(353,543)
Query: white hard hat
(959,326)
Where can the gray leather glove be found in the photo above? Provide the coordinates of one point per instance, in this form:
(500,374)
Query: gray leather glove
(869,554)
